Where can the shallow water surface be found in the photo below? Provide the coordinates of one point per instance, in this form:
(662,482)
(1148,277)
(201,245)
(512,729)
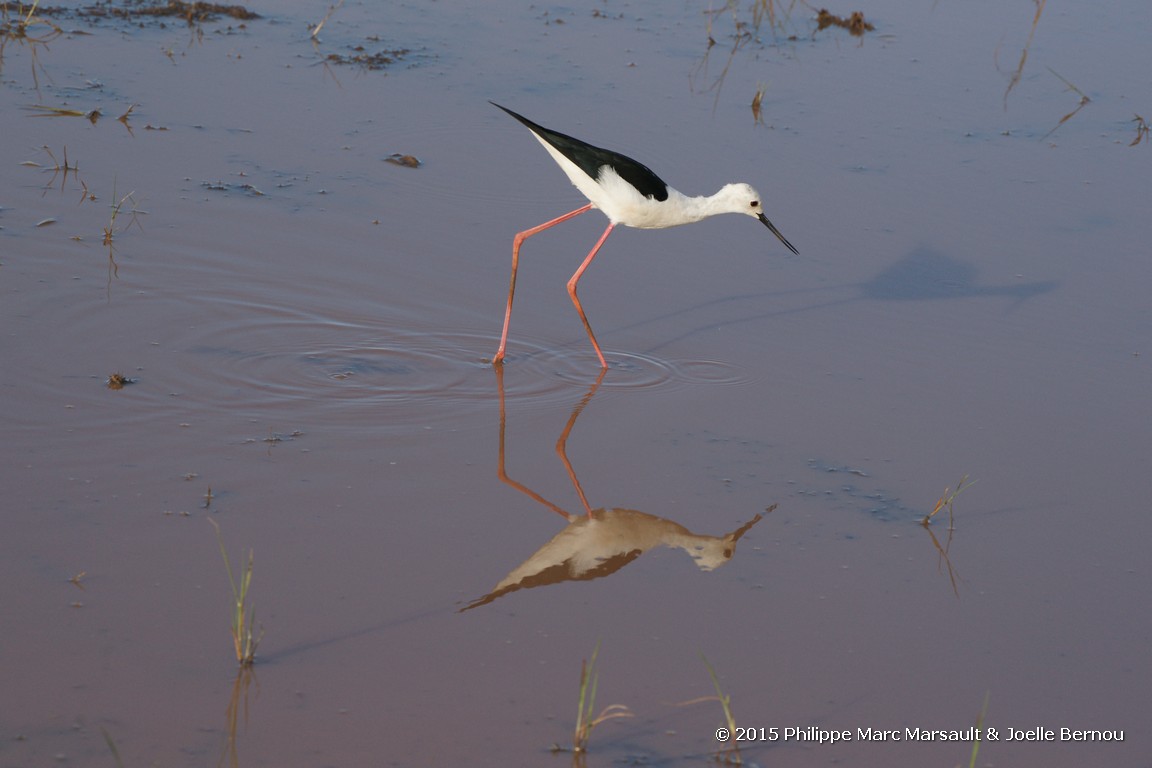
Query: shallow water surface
(438,544)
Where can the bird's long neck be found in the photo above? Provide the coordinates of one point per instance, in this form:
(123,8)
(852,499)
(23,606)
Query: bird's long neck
(703,206)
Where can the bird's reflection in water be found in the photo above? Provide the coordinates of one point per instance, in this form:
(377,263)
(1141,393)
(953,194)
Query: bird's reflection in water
(599,542)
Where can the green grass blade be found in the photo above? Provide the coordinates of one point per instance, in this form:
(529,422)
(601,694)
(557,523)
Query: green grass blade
(979,727)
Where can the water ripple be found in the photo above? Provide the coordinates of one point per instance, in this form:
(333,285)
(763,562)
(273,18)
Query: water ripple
(419,375)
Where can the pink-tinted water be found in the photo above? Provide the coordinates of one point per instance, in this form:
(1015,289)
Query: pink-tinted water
(308,327)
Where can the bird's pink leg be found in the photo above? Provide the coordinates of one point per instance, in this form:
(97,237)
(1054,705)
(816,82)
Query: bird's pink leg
(516,242)
(572,291)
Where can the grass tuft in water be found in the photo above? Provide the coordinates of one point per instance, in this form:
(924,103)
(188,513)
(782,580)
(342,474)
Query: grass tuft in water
(586,719)
(244,639)
(731,753)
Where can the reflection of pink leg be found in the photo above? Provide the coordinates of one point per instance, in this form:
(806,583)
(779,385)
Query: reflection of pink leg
(500,471)
(572,292)
(516,242)
(562,442)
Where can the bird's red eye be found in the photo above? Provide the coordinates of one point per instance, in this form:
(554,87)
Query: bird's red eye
(755,203)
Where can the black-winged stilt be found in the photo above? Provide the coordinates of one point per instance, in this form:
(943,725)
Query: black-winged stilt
(628,193)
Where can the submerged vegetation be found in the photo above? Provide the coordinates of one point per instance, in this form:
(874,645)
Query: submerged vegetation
(192,13)
(121,206)
(134,10)
(20,24)
(748,20)
(361,57)
(746,28)
(33,25)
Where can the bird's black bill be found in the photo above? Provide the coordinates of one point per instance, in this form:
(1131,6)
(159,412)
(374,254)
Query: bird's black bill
(776,232)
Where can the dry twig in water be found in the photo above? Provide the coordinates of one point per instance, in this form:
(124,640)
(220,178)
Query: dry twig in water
(110,230)
(1024,53)
(757,103)
(946,501)
(331,10)
(1084,100)
(1141,130)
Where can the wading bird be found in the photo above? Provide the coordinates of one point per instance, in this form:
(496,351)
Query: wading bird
(628,193)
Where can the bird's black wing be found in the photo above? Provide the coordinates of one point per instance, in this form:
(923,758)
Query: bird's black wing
(591,159)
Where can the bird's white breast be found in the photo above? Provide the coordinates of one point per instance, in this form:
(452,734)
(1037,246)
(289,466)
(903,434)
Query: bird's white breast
(620,201)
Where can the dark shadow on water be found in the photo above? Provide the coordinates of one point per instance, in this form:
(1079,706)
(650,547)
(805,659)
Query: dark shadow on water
(923,275)
(926,274)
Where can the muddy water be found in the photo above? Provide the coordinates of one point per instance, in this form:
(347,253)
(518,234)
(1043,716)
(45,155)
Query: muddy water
(307,328)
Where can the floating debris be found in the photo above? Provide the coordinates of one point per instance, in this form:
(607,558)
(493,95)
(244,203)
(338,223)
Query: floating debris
(855,23)
(408,161)
(758,103)
(190,12)
(119,381)
(139,11)
(219,186)
(124,117)
(373,61)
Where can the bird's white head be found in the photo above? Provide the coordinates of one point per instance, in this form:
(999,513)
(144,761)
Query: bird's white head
(742,198)
(739,198)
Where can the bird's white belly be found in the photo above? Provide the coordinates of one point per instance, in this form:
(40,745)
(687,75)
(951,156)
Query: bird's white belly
(622,204)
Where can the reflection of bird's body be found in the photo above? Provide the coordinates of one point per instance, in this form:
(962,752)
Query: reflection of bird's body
(604,541)
(628,193)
